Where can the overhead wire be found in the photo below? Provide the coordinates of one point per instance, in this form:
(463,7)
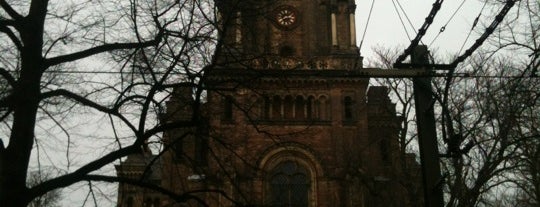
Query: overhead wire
(401,20)
(406,16)
(450,74)
(366,27)
(104,72)
(467,75)
(421,32)
(472,28)
(466,39)
(443,28)
(460,75)
(410,22)
(489,30)
(413,28)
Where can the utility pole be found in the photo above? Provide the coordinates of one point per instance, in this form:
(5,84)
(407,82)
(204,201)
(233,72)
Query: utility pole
(427,137)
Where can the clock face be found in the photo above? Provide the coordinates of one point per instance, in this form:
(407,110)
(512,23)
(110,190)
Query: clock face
(286,17)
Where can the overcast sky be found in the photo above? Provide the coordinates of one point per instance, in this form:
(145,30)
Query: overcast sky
(386,29)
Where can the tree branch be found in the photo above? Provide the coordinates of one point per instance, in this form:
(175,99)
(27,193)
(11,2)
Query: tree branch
(86,102)
(168,126)
(9,78)
(14,14)
(181,198)
(12,36)
(78,98)
(100,49)
(79,174)
(177,197)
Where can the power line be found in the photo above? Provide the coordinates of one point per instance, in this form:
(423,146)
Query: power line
(443,28)
(466,75)
(105,72)
(460,75)
(472,28)
(421,31)
(450,75)
(401,20)
(406,16)
(367,23)
(498,19)
(409,20)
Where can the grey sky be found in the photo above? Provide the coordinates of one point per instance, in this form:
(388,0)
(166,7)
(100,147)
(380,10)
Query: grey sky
(386,29)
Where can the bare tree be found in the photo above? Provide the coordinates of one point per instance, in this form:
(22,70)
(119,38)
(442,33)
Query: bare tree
(483,137)
(491,142)
(62,61)
(520,35)
(487,118)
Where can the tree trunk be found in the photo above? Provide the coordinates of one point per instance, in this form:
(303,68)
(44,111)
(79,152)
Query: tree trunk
(15,158)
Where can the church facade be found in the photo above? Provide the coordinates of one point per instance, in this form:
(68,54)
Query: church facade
(287,120)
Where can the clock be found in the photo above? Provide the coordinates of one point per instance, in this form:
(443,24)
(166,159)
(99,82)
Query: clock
(286,17)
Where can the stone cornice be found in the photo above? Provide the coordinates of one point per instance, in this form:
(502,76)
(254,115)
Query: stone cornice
(241,75)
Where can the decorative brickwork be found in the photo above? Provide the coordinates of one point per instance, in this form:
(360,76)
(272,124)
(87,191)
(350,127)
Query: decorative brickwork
(284,122)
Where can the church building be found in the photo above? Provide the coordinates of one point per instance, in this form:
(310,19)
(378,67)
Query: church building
(286,120)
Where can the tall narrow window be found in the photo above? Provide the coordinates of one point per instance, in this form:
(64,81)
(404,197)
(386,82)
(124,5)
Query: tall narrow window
(385,152)
(147,202)
(309,108)
(156,202)
(289,185)
(288,107)
(276,107)
(322,108)
(300,107)
(129,202)
(228,108)
(348,108)
(267,108)
(178,147)
(201,145)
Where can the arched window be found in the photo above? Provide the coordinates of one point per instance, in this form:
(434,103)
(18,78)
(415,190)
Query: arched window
(289,185)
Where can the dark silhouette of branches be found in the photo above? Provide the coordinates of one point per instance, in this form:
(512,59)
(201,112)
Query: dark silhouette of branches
(151,45)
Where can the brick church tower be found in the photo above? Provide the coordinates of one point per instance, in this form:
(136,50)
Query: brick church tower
(284,122)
